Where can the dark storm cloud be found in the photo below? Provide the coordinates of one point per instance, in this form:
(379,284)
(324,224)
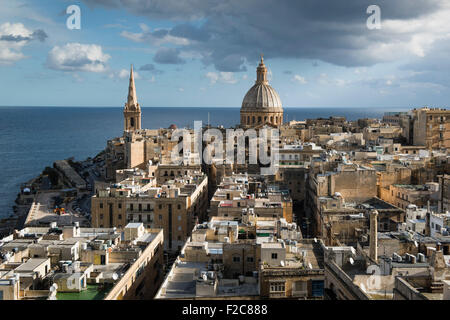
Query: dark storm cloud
(168,56)
(190,32)
(231,33)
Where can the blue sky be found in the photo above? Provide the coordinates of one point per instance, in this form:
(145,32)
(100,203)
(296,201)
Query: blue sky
(204,52)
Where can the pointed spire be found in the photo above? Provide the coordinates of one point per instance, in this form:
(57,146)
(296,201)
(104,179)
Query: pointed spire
(132,98)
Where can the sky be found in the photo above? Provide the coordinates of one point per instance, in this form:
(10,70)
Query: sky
(204,53)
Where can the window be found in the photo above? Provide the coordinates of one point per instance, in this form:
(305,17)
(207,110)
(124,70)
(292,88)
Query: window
(179,207)
(160,217)
(119,217)
(131,207)
(300,286)
(101,205)
(119,205)
(249,259)
(236,259)
(274,255)
(277,287)
(101,216)
(149,218)
(160,206)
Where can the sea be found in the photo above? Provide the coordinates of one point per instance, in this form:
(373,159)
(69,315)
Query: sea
(32,138)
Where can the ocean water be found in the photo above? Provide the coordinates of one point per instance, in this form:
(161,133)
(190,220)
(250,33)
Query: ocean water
(32,138)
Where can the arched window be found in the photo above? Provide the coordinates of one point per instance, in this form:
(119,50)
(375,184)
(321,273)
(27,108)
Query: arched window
(248,120)
(132,122)
(259,119)
(253,119)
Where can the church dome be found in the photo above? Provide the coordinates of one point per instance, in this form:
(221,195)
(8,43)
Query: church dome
(262,97)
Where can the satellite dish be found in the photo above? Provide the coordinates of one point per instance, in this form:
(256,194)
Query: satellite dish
(351,261)
(310,265)
(115,276)
(416,244)
(315,240)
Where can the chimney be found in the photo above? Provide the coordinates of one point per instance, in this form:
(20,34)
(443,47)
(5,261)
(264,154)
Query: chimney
(373,249)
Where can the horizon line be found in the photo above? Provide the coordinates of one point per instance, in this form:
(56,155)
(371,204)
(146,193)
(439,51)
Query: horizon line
(203,107)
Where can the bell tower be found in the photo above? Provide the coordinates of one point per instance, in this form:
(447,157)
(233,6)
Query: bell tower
(132,110)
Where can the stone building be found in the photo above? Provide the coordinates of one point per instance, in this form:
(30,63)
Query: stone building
(431,128)
(73,263)
(224,259)
(174,206)
(261,104)
(299,275)
(444,193)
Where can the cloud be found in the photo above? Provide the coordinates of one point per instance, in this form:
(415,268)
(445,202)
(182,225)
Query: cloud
(78,57)
(150,68)
(324,79)
(299,79)
(157,37)
(38,35)
(168,56)
(232,33)
(223,77)
(13,38)
(123,74)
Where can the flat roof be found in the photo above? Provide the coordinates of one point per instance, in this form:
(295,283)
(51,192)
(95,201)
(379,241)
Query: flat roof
(31,264)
